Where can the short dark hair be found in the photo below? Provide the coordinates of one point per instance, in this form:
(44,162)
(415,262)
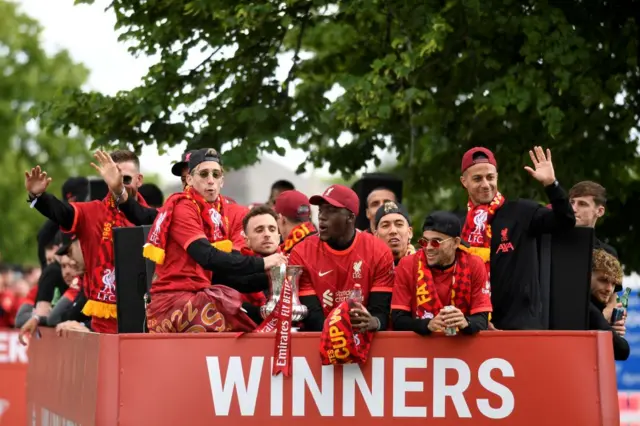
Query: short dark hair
(381,188)
(123,156)
(258,211)
(282,185)
(589,188)
(152,194)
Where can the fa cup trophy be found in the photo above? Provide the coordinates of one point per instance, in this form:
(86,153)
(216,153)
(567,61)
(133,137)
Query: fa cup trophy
(277,277)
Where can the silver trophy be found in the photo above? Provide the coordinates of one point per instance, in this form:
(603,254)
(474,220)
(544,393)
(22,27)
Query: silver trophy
(276,278)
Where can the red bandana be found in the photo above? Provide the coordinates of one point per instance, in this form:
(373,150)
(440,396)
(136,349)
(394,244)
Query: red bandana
(477,228)
(428,304)
(215,222)
(101,288)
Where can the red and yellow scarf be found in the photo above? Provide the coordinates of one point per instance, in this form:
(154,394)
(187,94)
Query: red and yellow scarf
(216,224)
(297,234)
(101,285)
(428,304)
(477,228)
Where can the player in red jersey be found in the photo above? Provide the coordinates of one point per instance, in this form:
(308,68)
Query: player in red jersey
(189,242)
(339,257)
(441,273)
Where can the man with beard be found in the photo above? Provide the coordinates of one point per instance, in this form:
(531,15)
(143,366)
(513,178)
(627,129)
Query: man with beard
(504,234)
(294,218)
(93,223)
(262,237)
(339,257)
(393,226)
(589,200)
(143,215)
(189,242)
(606,275)
(441,274)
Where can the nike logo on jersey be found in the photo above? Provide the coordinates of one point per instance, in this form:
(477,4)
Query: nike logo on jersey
(322,274)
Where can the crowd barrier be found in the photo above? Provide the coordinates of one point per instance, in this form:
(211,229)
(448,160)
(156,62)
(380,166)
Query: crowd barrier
(13,378)
(496,378)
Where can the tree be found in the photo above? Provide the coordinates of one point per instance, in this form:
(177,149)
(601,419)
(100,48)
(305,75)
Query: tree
(30,76)
(427,80)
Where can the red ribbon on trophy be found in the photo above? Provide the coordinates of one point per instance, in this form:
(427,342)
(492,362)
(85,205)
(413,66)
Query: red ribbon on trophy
(279,320)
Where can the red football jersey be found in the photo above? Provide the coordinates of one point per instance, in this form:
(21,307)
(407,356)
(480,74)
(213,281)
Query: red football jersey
(404,290)
(179,271)
(331,275)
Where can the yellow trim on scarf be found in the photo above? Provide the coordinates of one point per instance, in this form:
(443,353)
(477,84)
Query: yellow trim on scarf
(156,254)
(153,253)
(100,309)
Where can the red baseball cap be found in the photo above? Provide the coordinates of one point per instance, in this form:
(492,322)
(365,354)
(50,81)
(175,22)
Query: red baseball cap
(338,196)
(293,204)
(470,158)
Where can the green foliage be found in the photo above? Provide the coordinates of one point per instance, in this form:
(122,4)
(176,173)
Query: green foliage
(30,76)
(429,79)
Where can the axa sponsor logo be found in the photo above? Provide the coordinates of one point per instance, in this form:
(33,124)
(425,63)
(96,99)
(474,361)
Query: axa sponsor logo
(364,396)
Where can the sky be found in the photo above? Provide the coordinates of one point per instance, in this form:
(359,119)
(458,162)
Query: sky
(87,32)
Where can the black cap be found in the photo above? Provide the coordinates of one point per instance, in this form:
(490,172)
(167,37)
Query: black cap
(391,207)
(444,222)
(176,169)
(200,156)
(76,187)
(67,240)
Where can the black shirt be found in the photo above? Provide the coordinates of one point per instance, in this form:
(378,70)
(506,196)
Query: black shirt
(515,281)
(621,348)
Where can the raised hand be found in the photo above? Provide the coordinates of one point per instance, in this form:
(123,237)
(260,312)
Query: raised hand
(109,171)
(36,181)
(543,171)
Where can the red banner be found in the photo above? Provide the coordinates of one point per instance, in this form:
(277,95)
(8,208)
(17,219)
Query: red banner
(13,379)
(497,378)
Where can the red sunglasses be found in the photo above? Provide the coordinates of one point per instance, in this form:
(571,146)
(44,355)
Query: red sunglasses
(435,242)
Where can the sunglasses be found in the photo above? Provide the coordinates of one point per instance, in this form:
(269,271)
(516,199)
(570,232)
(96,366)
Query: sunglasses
(127,180)
(435,242)
(216,174)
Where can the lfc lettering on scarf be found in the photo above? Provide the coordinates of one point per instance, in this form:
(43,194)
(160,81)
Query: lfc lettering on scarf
(285,325)
(338,341)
